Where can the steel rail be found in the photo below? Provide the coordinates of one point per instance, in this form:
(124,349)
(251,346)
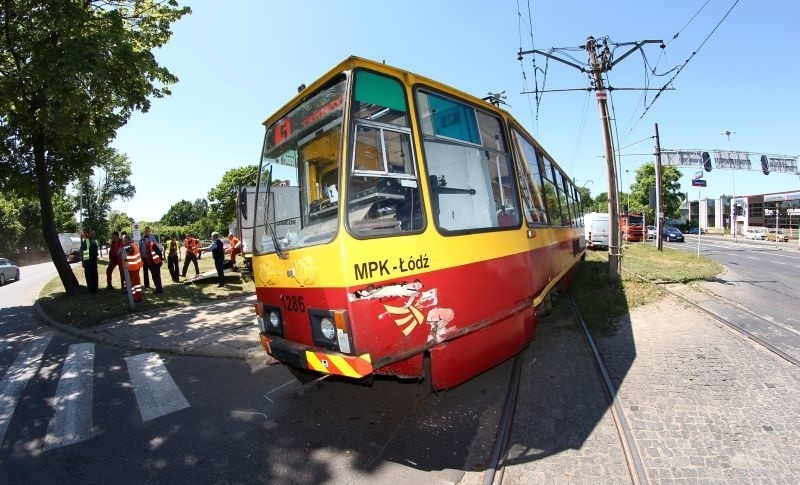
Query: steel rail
(634,461)
(494,472)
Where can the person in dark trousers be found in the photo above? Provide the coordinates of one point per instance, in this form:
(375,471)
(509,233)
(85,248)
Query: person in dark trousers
(89,249)
(154,258)
(114,259)
(217,249)
(173,257)
(192,246)
(144,250)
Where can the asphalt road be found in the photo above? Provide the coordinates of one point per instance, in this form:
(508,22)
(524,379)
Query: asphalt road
(80,412)
(760,276)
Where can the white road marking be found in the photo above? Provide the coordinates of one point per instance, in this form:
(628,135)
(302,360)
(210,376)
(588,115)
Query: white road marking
(156,391)
(72,421)
(17,377)
(776,262)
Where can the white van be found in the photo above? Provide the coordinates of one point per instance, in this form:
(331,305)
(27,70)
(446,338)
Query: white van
(596,226)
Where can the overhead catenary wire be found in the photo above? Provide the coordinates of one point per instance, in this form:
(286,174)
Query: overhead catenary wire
(694,53)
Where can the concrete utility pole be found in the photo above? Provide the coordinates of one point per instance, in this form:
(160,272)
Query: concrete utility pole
(659,194)
(597,66)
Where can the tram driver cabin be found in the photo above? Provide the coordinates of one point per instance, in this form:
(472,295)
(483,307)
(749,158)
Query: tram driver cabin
(419,235)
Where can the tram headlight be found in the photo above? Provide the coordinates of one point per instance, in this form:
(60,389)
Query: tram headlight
(274,319)
(328,328)
(273,322)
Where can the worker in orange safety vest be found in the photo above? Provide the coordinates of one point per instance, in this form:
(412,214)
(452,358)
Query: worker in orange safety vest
(192,246)
(133,263)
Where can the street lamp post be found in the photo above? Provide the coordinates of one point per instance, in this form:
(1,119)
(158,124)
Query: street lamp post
(728,134)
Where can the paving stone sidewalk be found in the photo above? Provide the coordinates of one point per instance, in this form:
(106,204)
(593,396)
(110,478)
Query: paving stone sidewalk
(223,328)
(704,404)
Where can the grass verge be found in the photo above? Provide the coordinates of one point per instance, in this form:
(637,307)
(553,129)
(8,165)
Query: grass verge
(602,302)
(87,310)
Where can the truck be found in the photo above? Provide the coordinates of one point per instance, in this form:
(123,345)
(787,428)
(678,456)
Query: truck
(71,244)
(597,229)
(633,227)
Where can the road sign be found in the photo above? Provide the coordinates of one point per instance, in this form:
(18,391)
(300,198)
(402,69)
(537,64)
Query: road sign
(698,175)
(601,95)
(136,232)
(698,183)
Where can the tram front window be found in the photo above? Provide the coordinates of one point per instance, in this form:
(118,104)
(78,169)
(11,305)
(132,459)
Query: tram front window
(302,150)
(383,192)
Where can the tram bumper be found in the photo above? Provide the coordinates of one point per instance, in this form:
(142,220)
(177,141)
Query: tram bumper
(315,359)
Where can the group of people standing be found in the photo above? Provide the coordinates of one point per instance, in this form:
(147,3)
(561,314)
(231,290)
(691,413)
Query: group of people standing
(149,255)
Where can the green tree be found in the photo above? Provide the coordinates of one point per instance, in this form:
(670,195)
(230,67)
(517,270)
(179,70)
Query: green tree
(119,221)
(109,181)
(30,216)
(184,213)
(27,214)
(71,74)
(587,202)
(222,198)
(671,191)
(601,202)
(10,228)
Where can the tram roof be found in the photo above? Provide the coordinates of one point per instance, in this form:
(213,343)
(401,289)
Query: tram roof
(353,62)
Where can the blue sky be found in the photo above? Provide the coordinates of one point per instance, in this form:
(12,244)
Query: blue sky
(240,61)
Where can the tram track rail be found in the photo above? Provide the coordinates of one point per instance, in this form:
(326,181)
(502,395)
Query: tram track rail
(663,286)
(738,328)
(627,440)
(495,469)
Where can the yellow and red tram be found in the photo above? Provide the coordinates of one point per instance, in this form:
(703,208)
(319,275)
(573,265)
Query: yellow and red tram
(399,219)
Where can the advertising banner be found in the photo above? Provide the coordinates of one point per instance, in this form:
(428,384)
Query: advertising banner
(732,160)
(686,158)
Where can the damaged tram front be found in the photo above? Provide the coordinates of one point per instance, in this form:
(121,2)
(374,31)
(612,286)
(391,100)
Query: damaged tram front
(387,214)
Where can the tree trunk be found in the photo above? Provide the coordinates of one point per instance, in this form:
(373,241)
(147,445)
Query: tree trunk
(49,231)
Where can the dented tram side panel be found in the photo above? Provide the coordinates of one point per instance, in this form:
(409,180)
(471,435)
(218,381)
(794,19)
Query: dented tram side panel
(400,278)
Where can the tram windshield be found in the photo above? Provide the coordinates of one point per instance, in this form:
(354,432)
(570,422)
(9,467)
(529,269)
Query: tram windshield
(298,203)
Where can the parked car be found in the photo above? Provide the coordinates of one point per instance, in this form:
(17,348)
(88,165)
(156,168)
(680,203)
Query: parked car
(777,236)
(755,233)
(672,234)
(697,230)
(651,232)
(8,271)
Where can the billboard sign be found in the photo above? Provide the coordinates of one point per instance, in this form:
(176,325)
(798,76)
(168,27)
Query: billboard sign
(732,160)
(686,158)
(782,163)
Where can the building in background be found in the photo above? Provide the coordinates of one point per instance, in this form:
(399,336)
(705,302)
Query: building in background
(714,215)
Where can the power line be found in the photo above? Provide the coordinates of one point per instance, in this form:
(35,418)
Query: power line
(663,88)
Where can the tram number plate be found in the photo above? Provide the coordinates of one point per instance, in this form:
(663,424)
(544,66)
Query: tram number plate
(293,303)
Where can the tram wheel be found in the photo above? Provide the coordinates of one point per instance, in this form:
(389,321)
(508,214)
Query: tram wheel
(426,382)
(547,304)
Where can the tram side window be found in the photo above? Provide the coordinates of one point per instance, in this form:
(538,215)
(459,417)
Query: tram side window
(470,173)
(566,207)
(383,187)
(530,180)
(554,214)
(576,205)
